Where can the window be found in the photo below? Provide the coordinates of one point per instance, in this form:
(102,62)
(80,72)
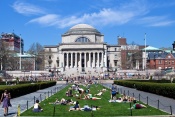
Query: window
(169,56)
(82,40)
(57,63)
(115,63)
(115,49)
(160,61)
(49,57)
(172,62)
(115,56)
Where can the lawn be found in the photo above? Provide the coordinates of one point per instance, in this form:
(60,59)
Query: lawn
(106,108)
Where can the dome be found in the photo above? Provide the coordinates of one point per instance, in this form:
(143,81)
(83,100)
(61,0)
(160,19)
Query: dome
(82,29)
(82,26)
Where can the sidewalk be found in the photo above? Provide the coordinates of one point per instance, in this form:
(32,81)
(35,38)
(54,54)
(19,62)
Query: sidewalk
(22,100)
(156,101)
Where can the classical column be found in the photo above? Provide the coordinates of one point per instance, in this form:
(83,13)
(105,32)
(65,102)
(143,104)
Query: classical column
(67,63)
(94,59)
(80,60)
(76,60)
(85,62)
(105,58)
(71,60)
(102,60)
(89,60)
(98,54)
(62,62)
(60,59)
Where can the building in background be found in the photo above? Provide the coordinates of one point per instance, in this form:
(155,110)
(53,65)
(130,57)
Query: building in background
(12,53)
(131,54)
(13,41)
(160,58)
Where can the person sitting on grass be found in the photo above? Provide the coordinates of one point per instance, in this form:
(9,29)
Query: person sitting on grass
(124,98)
(99,94)
(66,102)
(75,107)
(103,90)
(137,105)
(81,92)
(69,93)
(37,107)
(87,91)
(56,102)
(89,96)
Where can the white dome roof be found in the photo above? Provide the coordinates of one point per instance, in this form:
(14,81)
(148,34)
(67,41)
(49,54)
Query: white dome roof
(82,29)
(82,26)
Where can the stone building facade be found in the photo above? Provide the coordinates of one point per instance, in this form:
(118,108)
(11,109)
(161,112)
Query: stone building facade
(82,51)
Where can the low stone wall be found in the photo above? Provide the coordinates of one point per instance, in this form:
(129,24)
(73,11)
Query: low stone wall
(100,81)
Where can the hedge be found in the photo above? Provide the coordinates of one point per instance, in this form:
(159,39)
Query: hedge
(164,89)
(23,89)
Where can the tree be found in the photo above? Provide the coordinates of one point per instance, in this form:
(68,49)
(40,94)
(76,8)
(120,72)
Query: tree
(4,54)
(12,62)
(137,57)
(37,50)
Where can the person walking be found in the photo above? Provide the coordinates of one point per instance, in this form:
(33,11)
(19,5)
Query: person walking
(5,99)
(113,91)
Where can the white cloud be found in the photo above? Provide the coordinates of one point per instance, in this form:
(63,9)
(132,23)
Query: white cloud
(47,20)
(162,23)
(103,17)
(156,21)
(27,9)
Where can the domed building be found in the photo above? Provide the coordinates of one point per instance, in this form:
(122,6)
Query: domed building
(82,52)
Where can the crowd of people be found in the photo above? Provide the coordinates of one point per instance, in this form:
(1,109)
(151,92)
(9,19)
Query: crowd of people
(79,91)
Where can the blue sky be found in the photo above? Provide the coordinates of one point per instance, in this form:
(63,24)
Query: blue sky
(44,21)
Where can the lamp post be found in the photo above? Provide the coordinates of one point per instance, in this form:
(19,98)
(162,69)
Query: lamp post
(20,53)
(145,58)
(1,63)
(103,62)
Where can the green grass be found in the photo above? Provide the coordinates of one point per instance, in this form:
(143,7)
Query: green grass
(107,109)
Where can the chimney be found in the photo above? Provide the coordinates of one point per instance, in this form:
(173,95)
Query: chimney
(173,45)
(121,41)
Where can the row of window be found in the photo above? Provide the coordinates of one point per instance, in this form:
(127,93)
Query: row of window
(166,62)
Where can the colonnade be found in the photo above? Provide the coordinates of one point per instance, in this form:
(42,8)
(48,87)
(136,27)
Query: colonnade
(83,59)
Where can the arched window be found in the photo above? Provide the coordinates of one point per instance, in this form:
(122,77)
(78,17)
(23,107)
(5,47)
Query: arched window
(82,40)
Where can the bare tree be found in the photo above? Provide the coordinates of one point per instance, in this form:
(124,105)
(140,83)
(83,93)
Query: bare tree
(37,50)
(13,62)
(4,54)
(137,56)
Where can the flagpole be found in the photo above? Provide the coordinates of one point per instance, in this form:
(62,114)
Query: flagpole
(145,51)
(20,54)
(145,59)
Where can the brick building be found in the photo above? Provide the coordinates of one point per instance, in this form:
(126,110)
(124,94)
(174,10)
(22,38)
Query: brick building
(161,60)
(131,54)
(13,41)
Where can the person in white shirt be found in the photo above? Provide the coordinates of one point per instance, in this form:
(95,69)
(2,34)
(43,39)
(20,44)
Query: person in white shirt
(37,107)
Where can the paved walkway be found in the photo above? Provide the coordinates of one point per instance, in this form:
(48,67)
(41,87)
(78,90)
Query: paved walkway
(22,100)
(163,103)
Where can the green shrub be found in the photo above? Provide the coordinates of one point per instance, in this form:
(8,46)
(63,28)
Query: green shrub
(162,88)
